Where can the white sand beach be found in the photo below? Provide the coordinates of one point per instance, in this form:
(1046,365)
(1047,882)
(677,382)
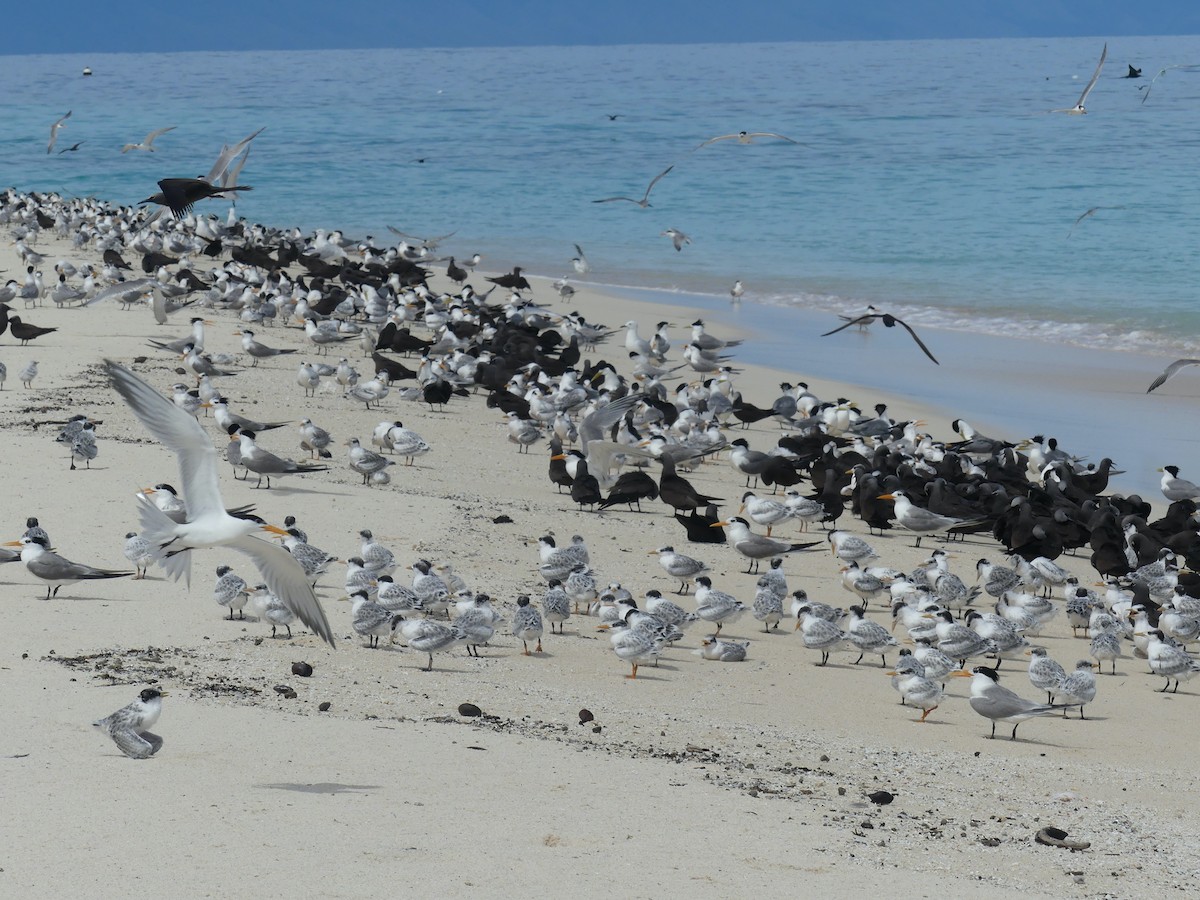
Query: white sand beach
(698,778)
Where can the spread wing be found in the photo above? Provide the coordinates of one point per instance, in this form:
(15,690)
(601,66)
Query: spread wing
(1095,76)
(867,318)
(657,178)
(724,137)
(286,579)
(594,425)
(1170,372)
(149,139)
(180,433)
(228,154)
(121,287)
(920,343)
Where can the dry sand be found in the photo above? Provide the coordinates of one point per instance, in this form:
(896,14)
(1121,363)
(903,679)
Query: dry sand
(702,779)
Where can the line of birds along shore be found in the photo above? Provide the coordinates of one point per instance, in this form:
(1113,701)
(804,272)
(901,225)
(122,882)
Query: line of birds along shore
(619,433)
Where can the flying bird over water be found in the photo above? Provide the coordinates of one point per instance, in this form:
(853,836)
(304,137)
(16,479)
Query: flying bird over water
(1170,371)
(645,201)
(580,262)
(148,141)
(228,155)
(678,238)
(1161,72)
(1079,109)
(889,321)
(180,194)
(54,131)
(745,137)
(72,148)
(1090,212)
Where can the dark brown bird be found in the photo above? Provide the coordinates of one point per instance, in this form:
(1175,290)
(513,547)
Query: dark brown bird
(180,194)
(113,258)
(677,491)
(513,281)
(585,489)
(631,488)
(889,321)
(25,332)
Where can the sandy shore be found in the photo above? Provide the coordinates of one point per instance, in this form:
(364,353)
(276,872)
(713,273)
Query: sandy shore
(702,778)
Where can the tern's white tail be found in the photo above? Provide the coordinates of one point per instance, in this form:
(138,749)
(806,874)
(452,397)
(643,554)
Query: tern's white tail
(159,529)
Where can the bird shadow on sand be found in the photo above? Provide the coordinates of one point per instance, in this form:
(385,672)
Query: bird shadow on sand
(322,787)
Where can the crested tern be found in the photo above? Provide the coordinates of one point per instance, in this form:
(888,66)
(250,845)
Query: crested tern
(992,701)
(745,137)
(208,524)
(54,130)
(147,143)
(55,570)
(1079,108)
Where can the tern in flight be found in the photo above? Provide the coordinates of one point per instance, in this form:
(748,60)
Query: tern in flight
(745,137)
(1161,72)
(889,321)
(1170,371)
(207,523)
(1079,109)
(645,201)
(148,141)
(678,238)
(1090,212)
(54,131)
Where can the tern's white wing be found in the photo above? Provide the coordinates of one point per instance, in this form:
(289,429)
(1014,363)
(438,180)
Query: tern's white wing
(228,154)
(1095,76)
(594,425)
(229,179)
(773,134)
(160,131)
(724,137)
(121,287)
(179,432)
(1170,371)
(286,580)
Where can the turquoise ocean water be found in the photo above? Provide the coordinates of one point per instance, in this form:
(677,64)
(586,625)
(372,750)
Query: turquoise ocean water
(930,178)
